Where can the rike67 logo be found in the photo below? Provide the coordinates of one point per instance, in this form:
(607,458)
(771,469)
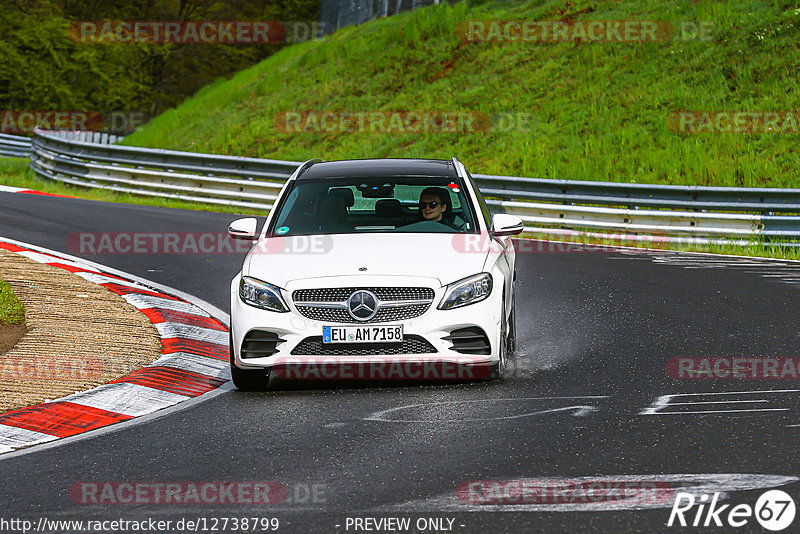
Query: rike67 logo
(774,510)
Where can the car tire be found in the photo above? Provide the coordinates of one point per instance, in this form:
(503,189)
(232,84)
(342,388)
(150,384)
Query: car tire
(247,379)
(498,371)
(512,329)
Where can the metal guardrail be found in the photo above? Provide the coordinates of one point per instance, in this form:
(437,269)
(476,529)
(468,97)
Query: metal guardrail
(642,195)
(208,178)
(14,146)
(86,136)
(254,183)
(677,209)
(337,14)
(18,146)
(636,221)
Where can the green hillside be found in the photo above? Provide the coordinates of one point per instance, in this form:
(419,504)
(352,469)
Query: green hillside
(595,110)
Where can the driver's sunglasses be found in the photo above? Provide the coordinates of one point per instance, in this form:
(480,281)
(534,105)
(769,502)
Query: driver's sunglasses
(433,204)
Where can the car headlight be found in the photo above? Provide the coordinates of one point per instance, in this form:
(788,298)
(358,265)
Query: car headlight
(261,295)
(466,291)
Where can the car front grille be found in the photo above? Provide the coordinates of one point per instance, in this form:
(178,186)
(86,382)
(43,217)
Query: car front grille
(340,294)
(313,346)
(395,303)
(384,315)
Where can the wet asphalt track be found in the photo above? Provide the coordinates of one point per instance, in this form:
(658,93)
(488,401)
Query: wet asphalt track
(595,331)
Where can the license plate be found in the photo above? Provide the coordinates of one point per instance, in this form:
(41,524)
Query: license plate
(362,334)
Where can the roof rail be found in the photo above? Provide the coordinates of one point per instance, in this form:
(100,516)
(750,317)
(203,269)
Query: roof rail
(304,167)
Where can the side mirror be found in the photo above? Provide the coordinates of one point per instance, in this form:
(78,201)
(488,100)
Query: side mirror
(243,228)
(506,224)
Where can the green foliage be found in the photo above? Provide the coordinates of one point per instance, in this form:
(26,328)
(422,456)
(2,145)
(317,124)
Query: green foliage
(43,68)
(599,111)
(12,311)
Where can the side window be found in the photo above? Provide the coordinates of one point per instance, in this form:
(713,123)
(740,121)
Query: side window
(487,213)
(287,207)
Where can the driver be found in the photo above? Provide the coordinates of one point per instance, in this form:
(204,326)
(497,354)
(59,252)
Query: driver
(433,204)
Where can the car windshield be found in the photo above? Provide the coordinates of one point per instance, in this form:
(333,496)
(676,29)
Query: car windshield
(380,204)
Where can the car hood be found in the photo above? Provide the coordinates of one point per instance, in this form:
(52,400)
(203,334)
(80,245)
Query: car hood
(281,260)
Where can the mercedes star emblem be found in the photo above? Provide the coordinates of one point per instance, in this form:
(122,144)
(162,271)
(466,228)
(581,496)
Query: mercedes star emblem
(362,305)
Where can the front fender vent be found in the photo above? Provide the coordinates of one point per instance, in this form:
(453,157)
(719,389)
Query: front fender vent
(470,340)
(260,344)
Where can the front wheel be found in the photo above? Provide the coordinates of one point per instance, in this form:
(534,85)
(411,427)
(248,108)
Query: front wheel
(506,332)
(512,329)
(250,380)
(247,379)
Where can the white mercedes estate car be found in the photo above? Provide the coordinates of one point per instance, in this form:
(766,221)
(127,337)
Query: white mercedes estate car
(375,269)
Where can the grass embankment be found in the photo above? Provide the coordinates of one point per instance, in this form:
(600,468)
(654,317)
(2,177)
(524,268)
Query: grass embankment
(12,311)
(14,172)
(598,111)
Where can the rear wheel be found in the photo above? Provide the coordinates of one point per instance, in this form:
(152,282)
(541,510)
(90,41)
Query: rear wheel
(247,379)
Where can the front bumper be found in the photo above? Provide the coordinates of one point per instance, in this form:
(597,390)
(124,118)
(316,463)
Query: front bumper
(431,327)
